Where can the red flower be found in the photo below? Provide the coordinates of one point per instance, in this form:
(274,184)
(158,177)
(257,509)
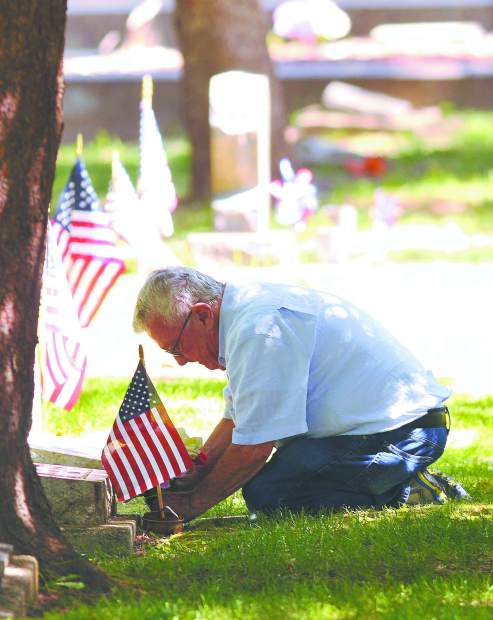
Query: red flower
(375,166)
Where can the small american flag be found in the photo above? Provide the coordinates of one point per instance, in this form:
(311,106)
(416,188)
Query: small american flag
(87,243)
(63,359)
(143,449)
(156,189)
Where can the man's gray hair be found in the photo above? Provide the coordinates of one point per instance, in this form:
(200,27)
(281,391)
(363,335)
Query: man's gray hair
(169,293)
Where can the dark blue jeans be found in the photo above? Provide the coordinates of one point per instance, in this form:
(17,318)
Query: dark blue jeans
(346,471)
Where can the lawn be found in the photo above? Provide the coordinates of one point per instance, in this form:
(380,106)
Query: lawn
(437,179)
(428,561)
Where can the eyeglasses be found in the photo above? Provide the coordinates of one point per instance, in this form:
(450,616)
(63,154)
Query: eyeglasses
(174,349)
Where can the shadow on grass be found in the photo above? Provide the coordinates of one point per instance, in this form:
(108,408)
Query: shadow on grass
(428,559)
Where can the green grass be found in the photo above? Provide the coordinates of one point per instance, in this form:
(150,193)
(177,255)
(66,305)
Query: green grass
(433,185)
(318,567)
(458,173)
(199,400)
(473,256)
(422,174)
(428,561)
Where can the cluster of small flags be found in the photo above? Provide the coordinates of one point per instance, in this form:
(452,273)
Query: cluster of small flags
(84,259)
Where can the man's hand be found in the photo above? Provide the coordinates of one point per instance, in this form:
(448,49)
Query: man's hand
(180,502)
(237,465)
(189,480)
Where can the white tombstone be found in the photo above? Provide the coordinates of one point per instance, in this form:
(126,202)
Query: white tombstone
(239,118)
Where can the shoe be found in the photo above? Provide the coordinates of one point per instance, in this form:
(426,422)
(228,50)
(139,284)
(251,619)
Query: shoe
(453,489)
(434,488)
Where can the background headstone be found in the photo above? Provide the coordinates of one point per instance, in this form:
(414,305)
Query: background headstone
(239,121)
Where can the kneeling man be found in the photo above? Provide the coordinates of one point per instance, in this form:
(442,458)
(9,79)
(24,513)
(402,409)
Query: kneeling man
(354,417)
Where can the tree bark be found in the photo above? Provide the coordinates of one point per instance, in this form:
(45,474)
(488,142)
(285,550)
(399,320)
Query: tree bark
(31,90)
(217,36)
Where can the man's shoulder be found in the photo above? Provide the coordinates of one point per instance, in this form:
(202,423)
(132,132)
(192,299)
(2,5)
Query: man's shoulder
(275,315)
(265,297)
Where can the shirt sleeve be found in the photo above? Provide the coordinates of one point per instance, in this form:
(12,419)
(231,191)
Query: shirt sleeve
(228,403)
(268,371)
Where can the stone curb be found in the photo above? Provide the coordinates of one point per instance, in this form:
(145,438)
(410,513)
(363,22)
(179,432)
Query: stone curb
(117,537)
(19,585)
(84,506)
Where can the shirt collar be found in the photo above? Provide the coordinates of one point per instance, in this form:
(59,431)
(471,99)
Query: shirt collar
(225,317)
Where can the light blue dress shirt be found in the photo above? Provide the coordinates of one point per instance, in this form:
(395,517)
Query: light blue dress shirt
(301,361)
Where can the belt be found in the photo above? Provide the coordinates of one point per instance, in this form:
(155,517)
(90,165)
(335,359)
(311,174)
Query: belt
(434,418)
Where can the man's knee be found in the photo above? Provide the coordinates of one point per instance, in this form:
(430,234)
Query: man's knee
(259,495)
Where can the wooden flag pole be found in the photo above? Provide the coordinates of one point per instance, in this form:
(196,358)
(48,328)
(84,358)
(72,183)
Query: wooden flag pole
(79,145)
(147,88)
(160,497)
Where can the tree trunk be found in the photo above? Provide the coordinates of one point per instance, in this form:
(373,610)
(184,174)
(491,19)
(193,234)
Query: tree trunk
(217,36)
(31,89)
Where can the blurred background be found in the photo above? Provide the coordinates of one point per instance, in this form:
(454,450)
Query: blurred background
(345,146)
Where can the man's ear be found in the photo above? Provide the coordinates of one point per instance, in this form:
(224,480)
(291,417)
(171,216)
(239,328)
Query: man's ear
(203,312)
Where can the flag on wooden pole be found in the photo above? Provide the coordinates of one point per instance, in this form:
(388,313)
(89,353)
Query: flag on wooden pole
(87,243)
(62,356)
(122,204)
(156,189)
(143,448)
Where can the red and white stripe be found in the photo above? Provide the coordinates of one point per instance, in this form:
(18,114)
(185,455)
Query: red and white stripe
(91,259)
(63,359)
(62,237)
(65,369)
(142,453)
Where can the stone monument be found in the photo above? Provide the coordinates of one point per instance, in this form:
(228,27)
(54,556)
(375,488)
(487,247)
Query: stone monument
(239,118)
